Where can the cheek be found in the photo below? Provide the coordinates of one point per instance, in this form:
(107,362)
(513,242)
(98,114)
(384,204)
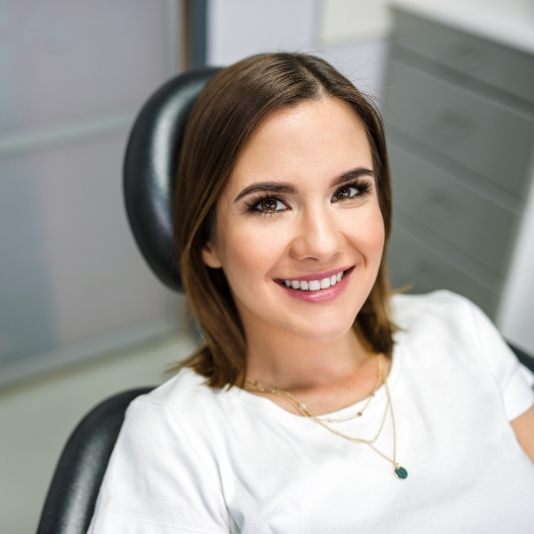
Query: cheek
(250,251)
(369,232)
(378,232)
(375,250)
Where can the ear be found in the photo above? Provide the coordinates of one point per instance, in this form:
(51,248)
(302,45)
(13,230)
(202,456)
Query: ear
(210,256)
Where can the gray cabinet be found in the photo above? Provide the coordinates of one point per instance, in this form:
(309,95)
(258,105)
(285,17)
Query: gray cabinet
(459,112)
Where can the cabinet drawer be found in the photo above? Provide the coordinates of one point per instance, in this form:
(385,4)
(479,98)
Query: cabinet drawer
(411,261)
(481,59)
(476,224)
(481,134)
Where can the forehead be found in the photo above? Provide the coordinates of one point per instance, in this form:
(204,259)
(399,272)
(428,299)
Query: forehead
(313,139)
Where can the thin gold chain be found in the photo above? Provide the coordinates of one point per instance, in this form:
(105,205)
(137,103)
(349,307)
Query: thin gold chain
(302,408)
(346,436)
(393,425)
(360,413)
(256,386)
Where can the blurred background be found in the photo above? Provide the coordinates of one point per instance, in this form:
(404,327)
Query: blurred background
(82,317)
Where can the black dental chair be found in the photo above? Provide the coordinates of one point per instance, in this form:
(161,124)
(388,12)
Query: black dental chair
(149,168)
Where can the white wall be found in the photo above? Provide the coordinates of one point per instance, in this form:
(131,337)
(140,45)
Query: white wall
(72,78)
(72,282)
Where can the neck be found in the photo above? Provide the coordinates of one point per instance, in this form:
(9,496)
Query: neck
(294,363)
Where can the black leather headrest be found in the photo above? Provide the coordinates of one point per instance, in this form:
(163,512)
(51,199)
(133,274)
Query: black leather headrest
(150,165)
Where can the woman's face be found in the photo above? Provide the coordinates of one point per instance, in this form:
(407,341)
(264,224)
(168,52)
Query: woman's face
(301,209)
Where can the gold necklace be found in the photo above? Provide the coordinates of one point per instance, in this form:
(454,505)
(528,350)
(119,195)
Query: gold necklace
(369,398)
(302,408)
(399,471)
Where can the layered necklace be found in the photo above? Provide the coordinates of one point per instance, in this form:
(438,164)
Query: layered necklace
(325,422)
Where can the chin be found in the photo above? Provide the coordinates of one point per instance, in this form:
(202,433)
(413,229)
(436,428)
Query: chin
(325,333)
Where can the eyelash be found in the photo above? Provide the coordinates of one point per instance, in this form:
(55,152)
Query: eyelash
(363,188)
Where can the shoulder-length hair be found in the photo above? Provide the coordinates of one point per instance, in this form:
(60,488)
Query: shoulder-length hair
(231,105)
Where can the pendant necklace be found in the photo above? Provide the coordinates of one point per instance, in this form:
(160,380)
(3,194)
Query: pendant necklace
(399,471)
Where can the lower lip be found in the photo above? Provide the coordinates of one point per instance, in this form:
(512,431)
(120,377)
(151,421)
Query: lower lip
(321,294)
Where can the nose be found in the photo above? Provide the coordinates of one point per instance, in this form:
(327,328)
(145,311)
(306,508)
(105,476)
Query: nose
(317,236)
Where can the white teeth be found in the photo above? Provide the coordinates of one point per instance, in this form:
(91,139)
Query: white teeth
(314,285)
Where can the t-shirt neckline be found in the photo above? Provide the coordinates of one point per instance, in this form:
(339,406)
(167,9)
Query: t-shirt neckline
(263,403)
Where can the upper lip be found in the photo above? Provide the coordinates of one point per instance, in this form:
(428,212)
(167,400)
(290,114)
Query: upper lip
(318,276)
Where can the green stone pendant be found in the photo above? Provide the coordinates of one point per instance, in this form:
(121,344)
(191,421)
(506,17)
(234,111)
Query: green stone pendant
(400,472)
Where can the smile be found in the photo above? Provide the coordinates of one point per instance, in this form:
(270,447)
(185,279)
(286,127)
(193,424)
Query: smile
(316,282)
(316,288)
(315,285)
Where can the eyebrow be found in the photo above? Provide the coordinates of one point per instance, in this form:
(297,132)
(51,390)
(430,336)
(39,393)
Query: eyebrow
(280,187)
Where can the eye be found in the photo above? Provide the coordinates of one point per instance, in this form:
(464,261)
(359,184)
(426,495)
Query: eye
(351,191)
(266,205)
(346,192)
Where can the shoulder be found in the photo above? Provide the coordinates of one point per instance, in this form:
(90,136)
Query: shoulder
(447,319)
(458,337)
(162,475)
(167,430)
(184,387)
(439,309)
(181,399)
(434,324)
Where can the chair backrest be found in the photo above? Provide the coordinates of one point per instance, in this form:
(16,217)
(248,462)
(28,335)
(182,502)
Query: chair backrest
(150,166)
(74,488)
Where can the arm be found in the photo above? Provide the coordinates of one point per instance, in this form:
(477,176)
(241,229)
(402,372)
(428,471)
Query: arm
(524,430)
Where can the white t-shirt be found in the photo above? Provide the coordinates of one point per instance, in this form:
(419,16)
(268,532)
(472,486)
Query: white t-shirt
(190,459)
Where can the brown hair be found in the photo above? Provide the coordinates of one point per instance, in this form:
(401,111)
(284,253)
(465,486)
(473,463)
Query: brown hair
(231,105)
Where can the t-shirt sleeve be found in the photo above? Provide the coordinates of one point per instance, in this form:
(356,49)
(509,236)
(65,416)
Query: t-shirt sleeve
(514,379)
(156,482)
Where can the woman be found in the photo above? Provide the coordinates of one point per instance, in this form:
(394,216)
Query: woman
(319,402)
